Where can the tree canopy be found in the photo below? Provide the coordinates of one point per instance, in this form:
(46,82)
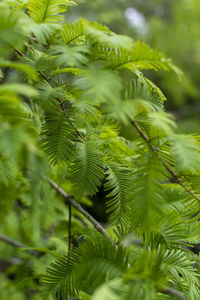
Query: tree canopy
(69,92)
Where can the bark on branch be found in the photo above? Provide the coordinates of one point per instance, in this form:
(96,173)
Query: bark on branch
(173,292)
(77,206)
(17,244)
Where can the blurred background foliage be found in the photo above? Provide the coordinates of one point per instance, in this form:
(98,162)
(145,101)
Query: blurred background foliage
(173,27)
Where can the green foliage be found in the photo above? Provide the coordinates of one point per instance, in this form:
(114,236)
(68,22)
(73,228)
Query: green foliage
(12,33)
(87,168)
(147,192)
(117,183)
(141,57)
(186,152)
(48,11)
(87,267)
(49,95)
(58,138)
(95,261)
(162,24)
(69,114)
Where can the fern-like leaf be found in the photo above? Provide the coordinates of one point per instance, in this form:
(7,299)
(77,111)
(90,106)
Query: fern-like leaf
(12,30)
(139,91)
(73,32)
(49,95)
(146,196)
(27,70)
(87,268)
(141,57)
(100,85)
(48,11)
(186,150)
(15,3)
(176,263)
(117,183)
(70,56)
(43,31)
(58,138)
(87,168)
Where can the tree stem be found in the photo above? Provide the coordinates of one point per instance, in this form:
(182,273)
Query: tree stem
(70,226)
(173,292)
(77,206)
(17,244)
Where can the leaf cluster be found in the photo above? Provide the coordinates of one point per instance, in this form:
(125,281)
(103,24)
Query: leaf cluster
(65,105)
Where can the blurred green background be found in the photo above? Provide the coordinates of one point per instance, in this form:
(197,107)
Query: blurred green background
(173,27)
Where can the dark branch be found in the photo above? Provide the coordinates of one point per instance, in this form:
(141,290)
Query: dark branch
(154,149)
(143,135)
(70,226)
(19,52)
(173,292)
(77,206)
(17,244)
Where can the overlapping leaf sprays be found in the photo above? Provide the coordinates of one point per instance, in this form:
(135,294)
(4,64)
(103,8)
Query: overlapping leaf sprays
(63,119)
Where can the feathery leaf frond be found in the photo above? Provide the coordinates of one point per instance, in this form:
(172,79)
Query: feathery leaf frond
(146,196)
(117,184)
(141,57)
(27,70)
(186,149)
(139,91)
(73,32)
(48,11)
(49,95)
(70,56)
(100,85)
(87,168)
(58,138)
(13,29)
(87,267)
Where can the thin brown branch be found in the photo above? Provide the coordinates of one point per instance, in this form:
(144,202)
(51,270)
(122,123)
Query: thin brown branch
(70,122)
(154,149)
(17,244)
(70,226)
(173,292)
(19,52)
(44,77)
(77,206)
(143,135)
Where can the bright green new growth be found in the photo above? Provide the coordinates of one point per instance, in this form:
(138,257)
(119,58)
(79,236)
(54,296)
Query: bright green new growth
(73,91)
